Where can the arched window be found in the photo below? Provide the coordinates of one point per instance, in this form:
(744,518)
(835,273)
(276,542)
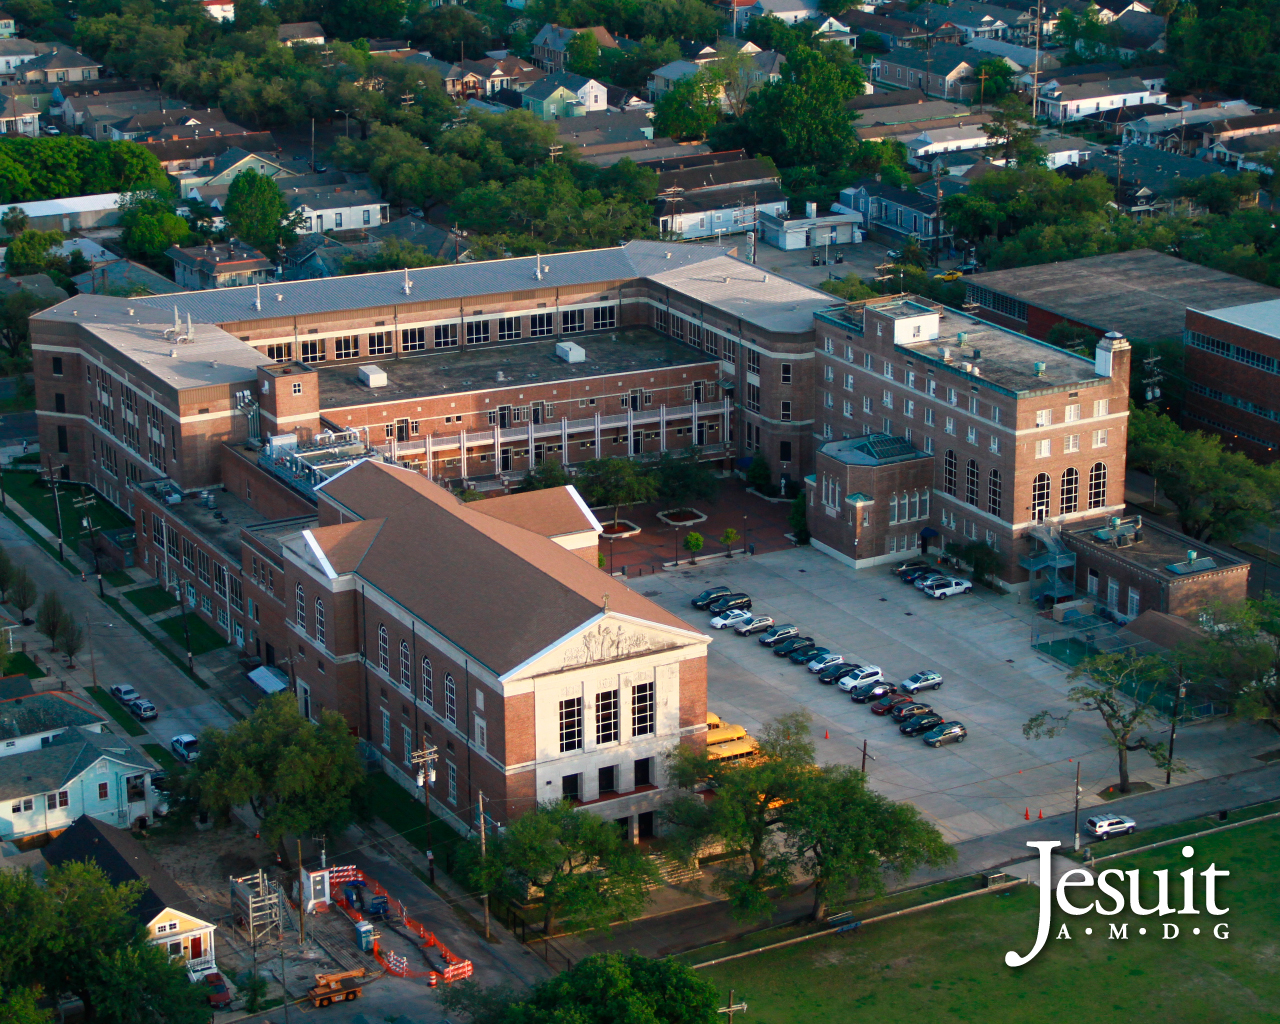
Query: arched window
(1040,489)
(450,700)
(1098,485)
(428,697)
(406,667)
(924,504)
(972,480)
(319,622)
(893,508)
(949,471)
(1070,491)
(993,492)
(300,610)
(384,648)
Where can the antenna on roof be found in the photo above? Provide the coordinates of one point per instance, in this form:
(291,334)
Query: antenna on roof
(408,285)
(257,303)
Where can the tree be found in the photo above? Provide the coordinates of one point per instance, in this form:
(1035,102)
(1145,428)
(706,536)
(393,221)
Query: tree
(616,482)
(738,77)
(393,254)
(70,637)
(149,224)
(692,543)
(691,107)
(981,557)
(1065,334)
(851,288)
(684,477)
(846,835)
(759,475)
(913,254)
(31,251)
(20,1006)
(1011,130)
(297,776)
(582,55)
(1242,650)
(583,866)
(258,214)
(995,78)
(798,518)
(729,538)
(1123,690)
(49,617)
(14,221)
(22,592)
(547,473)
(15,314)
(7,571)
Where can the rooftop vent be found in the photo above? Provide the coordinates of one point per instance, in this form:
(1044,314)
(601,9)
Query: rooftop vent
(1039,368)
(962,337)
(373,377)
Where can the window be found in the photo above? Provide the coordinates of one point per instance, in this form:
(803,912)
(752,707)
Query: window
(1044,448)
(57,366)
(949,471)
(993,492)
(950,425)
(508,328)
(886,399)
(1102,407)
(297,387)
(477,333)
(319,622)
(406,667)
(300,607)
(386,729)
(848,409)
(571,724)
(104,791)
(573,320)
(753,398)
(1134,603)
(1092,585)
(450,700)
(482,734)
(1100,438)
(63,443)
(1098,485)
(644,772)
(202,567)
(1044,417)
(908,407)
(785,413)
(893,509)
(1070,495)
(928,417)
(1073,413)
(866,403)
(753,361)
(541,324)
(571,787)
(785,368)
(1071,443)
(607,717)
(20,806)
(888,369)
(971,435)
(313,351)
(1113,592)
(848,382)
(428,698)
(993,446)
(452,773)
(188,555)
(384,648)
(972,479)
(642,709)
(604,318)
(346,348)
(446,335)
(414,339)
(1040,489)
(784,451)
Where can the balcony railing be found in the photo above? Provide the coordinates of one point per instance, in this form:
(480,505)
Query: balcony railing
(1054,586)
(1044,559)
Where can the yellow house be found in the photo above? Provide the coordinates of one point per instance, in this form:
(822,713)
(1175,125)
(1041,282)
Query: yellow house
(164,909)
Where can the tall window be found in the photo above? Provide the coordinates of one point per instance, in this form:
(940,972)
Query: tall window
(642,709)
(384,648)
(571,724)
(1098,485)
(973,479)
(450,700)
(993,492)
(300,609)
(319,622)
(1040,489)
(406,667)
(428,697)
(386,729)
(949,471)
(607,716)
(1070,491)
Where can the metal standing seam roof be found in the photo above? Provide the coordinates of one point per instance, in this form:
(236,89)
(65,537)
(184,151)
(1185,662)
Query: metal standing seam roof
(1260,317)
(72,204)
(430,284)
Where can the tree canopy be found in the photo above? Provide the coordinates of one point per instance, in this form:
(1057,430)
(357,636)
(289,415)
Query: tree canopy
(258,214)
(73,165)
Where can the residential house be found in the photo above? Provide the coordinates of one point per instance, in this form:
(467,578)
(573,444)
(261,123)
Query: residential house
(220,10)
(223,169)
(103,113)
(952,166)
(17,119)
(704,196)
(221,265)
(662,80)
(869,103)
(829,30)
(958,23)
(165,909)
(1248,153)
(1140,32)
(32,721)
(605,137)
(309,33)
(563,94)
(903,130)
(766,67)
(8,27)
(1114,120)
(439,242)
(896,214)
(73,106)
(1072,102)
(739,12)
(75,213)
(1150,181)
(194,157)
(335,207)
(15,52)
(1215,134)
(551,42)
(79,772)
(944,70)
(93,253)
(124,277)
(934,141)
(61,64)
(1177,130)
(1022,17)
(509,72)
(39,285)
(894,31)
(812,230)
(623,101)
(463,80)
(1019,58)
(791,12)
(146,124)
(1114,10)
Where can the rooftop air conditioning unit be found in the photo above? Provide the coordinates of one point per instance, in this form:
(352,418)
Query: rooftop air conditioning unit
(571,352)
(373,377)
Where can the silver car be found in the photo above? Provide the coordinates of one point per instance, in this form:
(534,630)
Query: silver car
(1105,825)
(825,662)
(925,680)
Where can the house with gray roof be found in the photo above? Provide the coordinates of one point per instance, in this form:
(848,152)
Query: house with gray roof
(61,64)
(944,70)
(564,95)
(31,721)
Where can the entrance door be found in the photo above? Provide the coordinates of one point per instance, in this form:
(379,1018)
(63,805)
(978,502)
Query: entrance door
(197,947)
(504,416)
(402,430)
(637,399)
(269,655)
(697,391)
(637,442)
(702,433)
(644,821)
(506,460)
(537,412)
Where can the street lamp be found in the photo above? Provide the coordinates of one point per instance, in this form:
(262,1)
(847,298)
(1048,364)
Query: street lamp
(348,117)
(744,534)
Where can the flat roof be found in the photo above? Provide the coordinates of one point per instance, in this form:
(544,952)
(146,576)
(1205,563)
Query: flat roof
(72,204)
(1259,317)
(476,368)
(744,290)
(1158,549)
(204,521)
(1141,293)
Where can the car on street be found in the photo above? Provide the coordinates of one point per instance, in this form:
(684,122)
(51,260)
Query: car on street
(787,646)
(861,676)
(969,268)
(909,710)
(943,589)
(217,991)
(948,275)
(820,663)
(709,597)
(50,130)
(804,655)
(1106,825)
(947,732)
(125,694)
(753,624)
(929,580)
(924,680)
(415,211)
(917,724)
(864,693)
(836,672)
(893,254)
(779,634)
(888,702)
(143,710)
(729,601)
(730,618)
(185,747)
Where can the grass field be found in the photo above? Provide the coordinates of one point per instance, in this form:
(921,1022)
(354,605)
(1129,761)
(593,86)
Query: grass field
(21,664)
(151,600)
(948,964)
(117,711)
(162,757)
(389,801)
(203,637)
(25,488)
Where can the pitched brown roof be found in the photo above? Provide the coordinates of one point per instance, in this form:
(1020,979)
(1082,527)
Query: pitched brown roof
(551,512)
(501,593)
(344,544)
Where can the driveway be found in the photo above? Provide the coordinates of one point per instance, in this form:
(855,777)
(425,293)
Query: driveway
(993,682)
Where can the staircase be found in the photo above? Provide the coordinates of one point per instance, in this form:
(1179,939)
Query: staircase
(673,872)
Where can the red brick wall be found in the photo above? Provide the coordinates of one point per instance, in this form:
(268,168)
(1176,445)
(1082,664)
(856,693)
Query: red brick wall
(264,493)
(693,695)
(1257,436)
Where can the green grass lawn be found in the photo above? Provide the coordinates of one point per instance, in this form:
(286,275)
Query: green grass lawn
(119,578)
(1161,833)
(25,488)
(21,664)
(948,964)
(151,600)
(162,757)
(203,637)
(389,801)
(117,711)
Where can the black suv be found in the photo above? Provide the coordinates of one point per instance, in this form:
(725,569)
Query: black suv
(730,601)
(778,634)
(836,672)
(708,597)
(794,644)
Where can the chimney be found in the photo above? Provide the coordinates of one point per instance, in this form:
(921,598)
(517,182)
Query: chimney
(811,210)
(1108,354)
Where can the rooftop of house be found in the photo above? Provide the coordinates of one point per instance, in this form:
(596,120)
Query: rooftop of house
(300,30)
(15,686)
(556,37)
(209,146)
(124,277)
(61,58)
(874,100)
(43,712)
(910,198)
(19,47)
(544,88)
(62,207)
(221,524)
(710,175)
(1164,173)
(872,450)
(1071,93)
(1253,143)
(51,767)
(907,113)
(1146,543)
(603,126)
(943,59)
(476,368)
(1259,317)
(720,199)
(1142,293)
(327,197)
(230,257)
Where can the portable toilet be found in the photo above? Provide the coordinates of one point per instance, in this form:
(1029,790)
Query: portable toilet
(364,936)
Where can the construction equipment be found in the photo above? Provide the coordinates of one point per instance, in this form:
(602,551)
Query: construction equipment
(336,988)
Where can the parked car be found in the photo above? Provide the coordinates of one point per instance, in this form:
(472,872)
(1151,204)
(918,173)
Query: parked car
(51,130)
(708,597)
(917,724)
(821,663)
(866,692)
(929,580)
(143,710)
(730,601)
(947,732)
(779,634)
(753,624)
(730,618)
(415,211)
(1105,825)
(890,701)
(185,747)
(218,993)
(861,675)
(910,564)
(804,655)
(787,646)
(946,588)
(925,680)
(910,709)
(916,573)
(949,275)
(836,672)
(125,694)
(969,268)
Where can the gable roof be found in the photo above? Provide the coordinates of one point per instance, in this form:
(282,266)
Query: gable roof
(61,58)
(42,712)
(166,150)
(942,59)
(545,88)
(299,30)
(551,512)
(122,859)
(556,37)
(69,755)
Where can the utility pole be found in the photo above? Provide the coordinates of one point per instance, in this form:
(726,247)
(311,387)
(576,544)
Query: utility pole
(1035,71)
(313,145)
(1077,820)
(732,1008)
(302,898)
(982,90)
(865,756)
(485,895)
(425,761)
(86,502)
(1173,726)
(57,506)
(93,663)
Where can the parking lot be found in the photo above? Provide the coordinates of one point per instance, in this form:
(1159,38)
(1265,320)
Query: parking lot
(993,682)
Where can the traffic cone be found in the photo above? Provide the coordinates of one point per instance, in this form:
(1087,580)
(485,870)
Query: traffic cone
(1041,814)
(1027,814)
(826,734)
